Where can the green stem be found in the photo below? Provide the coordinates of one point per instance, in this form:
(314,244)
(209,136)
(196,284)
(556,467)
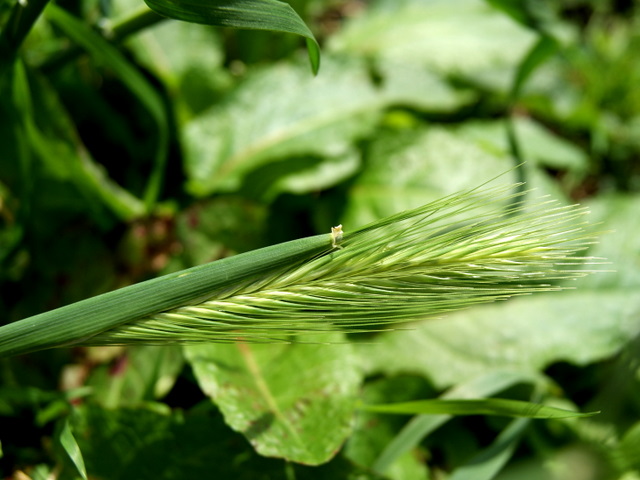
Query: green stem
(115,33)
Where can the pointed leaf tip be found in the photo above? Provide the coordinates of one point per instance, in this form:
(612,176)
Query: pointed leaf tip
(272,15)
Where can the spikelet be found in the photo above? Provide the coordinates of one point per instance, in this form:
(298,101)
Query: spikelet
(468,248)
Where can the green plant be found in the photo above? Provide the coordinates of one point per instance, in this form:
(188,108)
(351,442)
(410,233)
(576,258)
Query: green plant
(134,148)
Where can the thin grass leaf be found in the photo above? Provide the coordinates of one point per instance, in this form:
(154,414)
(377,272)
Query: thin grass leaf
(468,248)
(247,14)
(416,429)
(486,406)
(48,136)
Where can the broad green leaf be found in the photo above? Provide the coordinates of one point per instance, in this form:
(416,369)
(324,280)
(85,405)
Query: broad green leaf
(463,37)
(249,14)
(616,214)
(279,113)
(290,401)
(414,86)
(526,334)
(300,175)
(489,406)
(407,169)
(68,442)
(104,52)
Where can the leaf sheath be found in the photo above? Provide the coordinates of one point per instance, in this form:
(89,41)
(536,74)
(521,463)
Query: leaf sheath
(82,320)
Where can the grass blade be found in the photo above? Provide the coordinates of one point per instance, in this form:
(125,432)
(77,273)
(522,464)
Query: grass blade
(82,320)
(422,425)
(68,442)
(247,14)
(487,406)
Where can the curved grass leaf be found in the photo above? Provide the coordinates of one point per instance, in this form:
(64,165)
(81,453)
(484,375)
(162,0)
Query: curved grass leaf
(248,14)
(68,442)
(489,406)
(420,426)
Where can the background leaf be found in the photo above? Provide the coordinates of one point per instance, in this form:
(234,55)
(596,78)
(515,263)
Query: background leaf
(523,334)
(465,37)
(290,401)
(316,117)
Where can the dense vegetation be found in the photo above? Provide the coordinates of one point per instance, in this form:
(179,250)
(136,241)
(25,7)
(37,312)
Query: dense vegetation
(133,146)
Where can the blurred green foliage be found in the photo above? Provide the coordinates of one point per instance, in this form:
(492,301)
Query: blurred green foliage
(414,100)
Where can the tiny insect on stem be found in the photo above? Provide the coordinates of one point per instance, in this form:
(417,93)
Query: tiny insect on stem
(336,236)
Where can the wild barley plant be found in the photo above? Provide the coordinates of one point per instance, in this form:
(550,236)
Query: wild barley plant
(472,247)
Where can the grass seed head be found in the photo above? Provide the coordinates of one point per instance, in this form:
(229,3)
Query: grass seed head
(465,249)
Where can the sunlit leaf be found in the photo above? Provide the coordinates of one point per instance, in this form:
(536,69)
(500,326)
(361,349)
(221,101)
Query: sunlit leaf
(292,115)
(290,401)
